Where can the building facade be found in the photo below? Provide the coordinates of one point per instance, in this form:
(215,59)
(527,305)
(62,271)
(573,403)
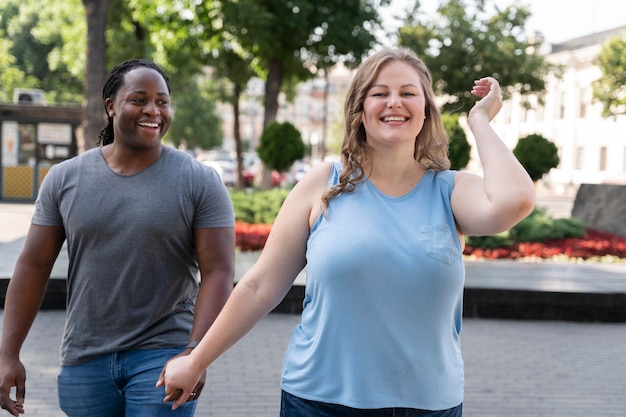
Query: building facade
(592,148)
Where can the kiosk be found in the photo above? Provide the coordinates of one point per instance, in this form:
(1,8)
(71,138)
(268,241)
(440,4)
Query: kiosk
(33,138)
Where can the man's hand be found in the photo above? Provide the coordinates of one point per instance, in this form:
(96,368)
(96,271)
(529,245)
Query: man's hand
(12,375)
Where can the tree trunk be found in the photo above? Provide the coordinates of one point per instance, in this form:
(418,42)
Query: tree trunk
(93,115)
(322,150)
(272,90)
(237,136)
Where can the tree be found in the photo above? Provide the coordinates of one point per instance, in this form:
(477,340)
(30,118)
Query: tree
(280,146)
(537,155)
(610,88)
(11,77)
(195,122)
(458,147)
(238,71)
(291,40)
(463,44)
(96,15)
(44,48)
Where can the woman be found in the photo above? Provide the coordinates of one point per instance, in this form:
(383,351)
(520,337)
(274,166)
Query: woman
(381,235)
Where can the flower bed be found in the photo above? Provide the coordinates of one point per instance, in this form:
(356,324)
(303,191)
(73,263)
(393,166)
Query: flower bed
(251,237)
(594,246)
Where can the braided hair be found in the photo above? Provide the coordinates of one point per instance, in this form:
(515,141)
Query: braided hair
(112,84)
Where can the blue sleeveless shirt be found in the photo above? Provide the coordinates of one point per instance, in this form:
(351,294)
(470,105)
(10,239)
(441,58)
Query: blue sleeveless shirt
(383,301)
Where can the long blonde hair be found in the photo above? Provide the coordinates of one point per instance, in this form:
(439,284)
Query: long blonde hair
(431,144)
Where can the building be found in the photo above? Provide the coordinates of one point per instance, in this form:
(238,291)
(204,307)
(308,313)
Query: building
(592,148)
(33,137)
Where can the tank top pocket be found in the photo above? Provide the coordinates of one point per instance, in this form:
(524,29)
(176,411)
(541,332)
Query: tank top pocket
(438,242)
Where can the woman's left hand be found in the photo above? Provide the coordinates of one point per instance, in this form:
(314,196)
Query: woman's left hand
(488,89)
(181,380)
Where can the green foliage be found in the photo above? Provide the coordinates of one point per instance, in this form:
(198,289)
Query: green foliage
(258,207)
(46,46)
(196,122)
(610,88)
(463,43)
(489,242)
(458,147)
(11,77)
(280,146)
(537,227)
(537,155)
(178,35)
(290,41)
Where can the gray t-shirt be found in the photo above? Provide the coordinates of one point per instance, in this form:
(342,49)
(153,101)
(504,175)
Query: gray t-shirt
(133,274)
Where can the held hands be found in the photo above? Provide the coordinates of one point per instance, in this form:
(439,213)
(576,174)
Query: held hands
(182,381)
(490,93)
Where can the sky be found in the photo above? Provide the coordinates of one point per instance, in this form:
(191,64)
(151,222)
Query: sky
(558,20)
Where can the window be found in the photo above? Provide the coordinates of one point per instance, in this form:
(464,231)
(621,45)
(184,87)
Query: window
(580,157)
(602,166)
(539,112)
(585,99)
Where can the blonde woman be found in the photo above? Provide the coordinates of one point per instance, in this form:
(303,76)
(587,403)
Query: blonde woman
(381,235)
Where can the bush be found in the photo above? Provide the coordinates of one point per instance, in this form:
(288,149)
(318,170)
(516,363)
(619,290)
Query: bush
(258,207)
(489,242)
(280,146)
(458,148)
(537,155)
(537,227)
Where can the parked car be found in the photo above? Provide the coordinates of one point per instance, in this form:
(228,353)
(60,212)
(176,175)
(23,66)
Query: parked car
(251,166)
(223,164)
(226,170)
(249,176)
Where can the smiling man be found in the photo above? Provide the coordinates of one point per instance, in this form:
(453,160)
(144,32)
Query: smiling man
(151,245)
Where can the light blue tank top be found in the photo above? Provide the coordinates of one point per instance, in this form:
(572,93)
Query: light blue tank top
(383,301)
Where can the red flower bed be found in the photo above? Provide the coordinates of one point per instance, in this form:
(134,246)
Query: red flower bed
(252,237)
(593,244)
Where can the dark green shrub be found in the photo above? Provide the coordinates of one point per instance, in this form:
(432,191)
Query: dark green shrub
(489,242)
(539,227)
(458,148)
(280,146)
(537,155)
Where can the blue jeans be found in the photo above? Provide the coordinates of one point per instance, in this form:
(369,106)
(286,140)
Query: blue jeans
(292,406)
(120,384)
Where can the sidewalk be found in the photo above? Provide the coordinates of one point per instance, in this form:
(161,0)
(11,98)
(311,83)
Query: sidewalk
(493,289)
(513,369)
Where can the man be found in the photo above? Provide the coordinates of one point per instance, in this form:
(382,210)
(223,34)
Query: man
(150,237)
